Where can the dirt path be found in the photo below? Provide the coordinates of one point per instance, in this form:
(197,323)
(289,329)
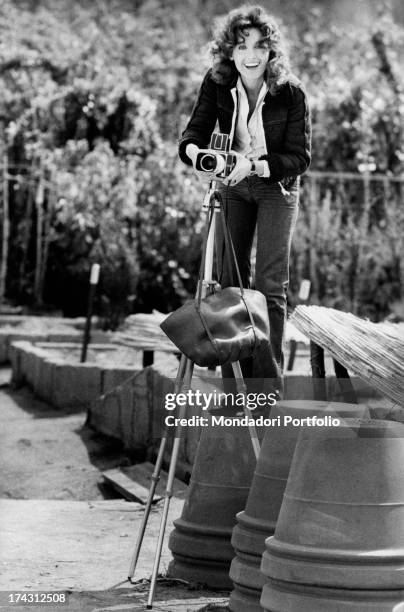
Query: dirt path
(61,529)
(49,454)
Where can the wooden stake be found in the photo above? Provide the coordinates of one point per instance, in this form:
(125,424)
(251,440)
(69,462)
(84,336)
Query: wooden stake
(39,201)
(27,230)
(46,238)
(6,230)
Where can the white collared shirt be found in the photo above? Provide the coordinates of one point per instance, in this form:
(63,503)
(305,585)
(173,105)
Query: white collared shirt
(249,135)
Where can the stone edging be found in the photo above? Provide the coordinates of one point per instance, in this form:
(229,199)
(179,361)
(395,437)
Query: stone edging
(122,402)
(64,385)
(14,328)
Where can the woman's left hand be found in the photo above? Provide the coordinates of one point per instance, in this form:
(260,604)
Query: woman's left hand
(240,170)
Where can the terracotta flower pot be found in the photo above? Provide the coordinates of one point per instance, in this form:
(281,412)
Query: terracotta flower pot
(219,486)
(258,520)
(341,524)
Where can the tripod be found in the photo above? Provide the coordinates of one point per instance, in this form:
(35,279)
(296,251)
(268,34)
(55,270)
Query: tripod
(212,207)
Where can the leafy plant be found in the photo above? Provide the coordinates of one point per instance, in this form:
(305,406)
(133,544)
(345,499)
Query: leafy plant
(94,96)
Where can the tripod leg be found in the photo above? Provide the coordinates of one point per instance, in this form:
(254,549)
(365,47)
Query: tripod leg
(169,489)
(241,388)
(155,478)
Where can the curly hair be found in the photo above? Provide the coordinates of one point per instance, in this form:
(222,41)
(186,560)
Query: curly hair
(227,35)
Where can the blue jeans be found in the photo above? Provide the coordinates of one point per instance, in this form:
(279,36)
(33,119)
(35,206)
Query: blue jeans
(251,204)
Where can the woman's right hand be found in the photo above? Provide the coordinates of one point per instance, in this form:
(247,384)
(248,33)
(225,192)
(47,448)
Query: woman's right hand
(192,151)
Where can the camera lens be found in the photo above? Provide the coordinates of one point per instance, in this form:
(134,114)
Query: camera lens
(208,162)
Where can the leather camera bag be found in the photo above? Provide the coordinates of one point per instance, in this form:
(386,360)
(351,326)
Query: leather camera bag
(223,327)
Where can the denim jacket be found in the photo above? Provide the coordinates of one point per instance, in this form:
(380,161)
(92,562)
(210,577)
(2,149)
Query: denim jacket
(285,117)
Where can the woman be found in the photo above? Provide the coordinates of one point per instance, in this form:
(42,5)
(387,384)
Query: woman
(255,98)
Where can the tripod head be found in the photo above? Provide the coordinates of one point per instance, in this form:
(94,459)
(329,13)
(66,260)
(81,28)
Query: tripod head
(212,198)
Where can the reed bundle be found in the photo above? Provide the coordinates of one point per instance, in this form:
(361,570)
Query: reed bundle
(372,351)
(143,331)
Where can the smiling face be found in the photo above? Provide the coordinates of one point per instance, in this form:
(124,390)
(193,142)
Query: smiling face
(251,55)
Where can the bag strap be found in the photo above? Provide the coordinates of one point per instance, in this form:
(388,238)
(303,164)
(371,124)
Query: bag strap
(230,252)
(229,249)
(229,246)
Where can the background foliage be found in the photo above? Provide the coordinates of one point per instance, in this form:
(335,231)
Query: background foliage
(93,98)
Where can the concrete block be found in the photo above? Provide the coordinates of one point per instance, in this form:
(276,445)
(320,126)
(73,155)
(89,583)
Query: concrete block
(138,420)
(58,346)
(16,356)
(11,319)
(162,382)
(79,322)
(104,415)
(75,385)
(34,357)
(43,380)
(113,377)
(37,356)
(4,350)
(76,322)
(24,363)
(133,410)
(29,337)
(30,366)
(124,410)
(99,337)
(127,413)
(74,337)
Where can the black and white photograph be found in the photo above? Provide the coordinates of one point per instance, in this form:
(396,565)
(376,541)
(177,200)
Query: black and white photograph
(202,305)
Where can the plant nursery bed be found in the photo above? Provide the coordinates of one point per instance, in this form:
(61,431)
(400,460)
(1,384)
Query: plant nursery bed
(42,329)
(55,374)
(97,354)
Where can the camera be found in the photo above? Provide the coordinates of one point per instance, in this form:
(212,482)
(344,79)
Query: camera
(218,159)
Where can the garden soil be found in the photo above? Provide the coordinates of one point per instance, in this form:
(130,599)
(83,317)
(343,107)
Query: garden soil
(62,529)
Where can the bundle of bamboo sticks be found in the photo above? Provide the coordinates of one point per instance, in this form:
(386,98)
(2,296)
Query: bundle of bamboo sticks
(143,331)
(372,351)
